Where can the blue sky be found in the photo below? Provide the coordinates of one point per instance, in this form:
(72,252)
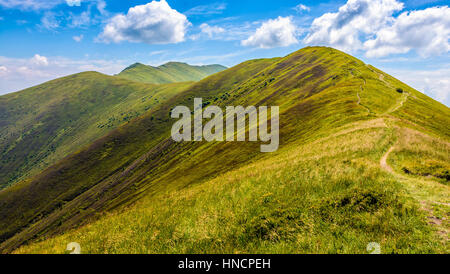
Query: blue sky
(43,40)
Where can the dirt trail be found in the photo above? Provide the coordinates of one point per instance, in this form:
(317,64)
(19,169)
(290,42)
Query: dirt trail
(400,103)
(423,190)
(359,97)
(383,161)
(430,194)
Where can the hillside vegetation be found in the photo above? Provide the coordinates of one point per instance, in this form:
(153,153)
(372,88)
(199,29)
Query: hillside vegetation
(171,72)
(43,124)
(338,181)
(329,196)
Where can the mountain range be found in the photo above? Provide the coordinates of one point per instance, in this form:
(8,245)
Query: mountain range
(363,157)
(43,124)
(171,72)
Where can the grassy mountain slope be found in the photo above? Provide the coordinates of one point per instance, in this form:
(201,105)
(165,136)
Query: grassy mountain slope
(171,72)
(328,196)
(43,124)
(325,190)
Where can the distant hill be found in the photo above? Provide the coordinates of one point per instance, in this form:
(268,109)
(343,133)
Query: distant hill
(363,158)
(171,72)
(43,124)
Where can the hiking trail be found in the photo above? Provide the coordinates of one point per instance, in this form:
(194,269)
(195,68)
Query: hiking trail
(423,190)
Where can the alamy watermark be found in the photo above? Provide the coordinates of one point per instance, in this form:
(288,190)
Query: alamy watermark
(373,248)
(74,248)
(235,124)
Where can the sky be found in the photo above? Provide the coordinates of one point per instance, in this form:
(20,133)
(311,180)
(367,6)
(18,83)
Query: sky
(43,40)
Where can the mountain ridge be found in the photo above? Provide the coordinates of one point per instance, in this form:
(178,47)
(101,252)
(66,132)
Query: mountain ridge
(42,124)
(323,95)
(170,72)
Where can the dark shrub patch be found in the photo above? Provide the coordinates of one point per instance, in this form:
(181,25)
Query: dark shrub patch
(406,170)
(273,225)
(357,200)
(433,168)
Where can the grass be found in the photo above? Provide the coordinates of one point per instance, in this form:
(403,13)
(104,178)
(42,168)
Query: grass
(323,191)
(43,124)
(171,72)
(330,197)
(421,155)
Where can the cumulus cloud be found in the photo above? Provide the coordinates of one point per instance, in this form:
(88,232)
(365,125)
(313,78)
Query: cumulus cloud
(73,3)
(354,19)
(39,60)
(78,38)
(211,30)
(153,23)
(280,32)
(301,8)
(426,31)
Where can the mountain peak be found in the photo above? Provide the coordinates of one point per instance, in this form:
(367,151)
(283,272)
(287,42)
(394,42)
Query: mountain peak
(135,65)
(174,63)
(170,72)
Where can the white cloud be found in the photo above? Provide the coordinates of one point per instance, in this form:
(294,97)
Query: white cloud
(50,20)
(101,6)
(81,20)
(53,20)
(153,23)
(78,38)
(39,60)
(3,71)
(29,4)
(273,33)
(211,30)
(426,31)
(301,8)
(356,18)
(215,8)
(226,30)
(434,83)
(438,89)
(73,3)
(20,73)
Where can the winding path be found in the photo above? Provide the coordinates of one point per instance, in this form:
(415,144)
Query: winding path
(421,188)
(383,161)
(425,191)
(359,97)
